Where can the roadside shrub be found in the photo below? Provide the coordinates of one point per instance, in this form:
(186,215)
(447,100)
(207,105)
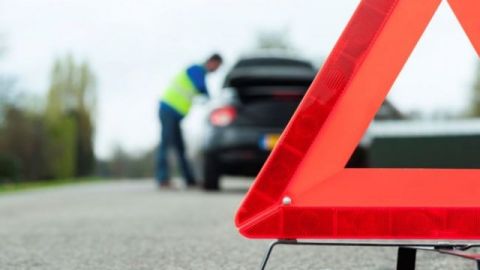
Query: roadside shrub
(9,169)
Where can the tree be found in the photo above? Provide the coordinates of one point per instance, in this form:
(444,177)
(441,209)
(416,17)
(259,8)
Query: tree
(9,165)
(6,95)
(274,41)
(475,104)
(23,142)
(69,116)
(3,47)
(6,84)
(22,135)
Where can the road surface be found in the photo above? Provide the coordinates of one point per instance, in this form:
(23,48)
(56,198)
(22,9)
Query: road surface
(131,225)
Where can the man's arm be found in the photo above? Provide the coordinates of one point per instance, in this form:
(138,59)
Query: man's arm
(198,74)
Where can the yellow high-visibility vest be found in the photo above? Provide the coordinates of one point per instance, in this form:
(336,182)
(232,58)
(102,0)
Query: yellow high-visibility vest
(179,95)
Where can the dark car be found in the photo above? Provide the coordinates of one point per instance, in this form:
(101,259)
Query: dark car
(260,95)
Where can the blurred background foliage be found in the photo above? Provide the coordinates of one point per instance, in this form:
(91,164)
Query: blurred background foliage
(475,99)
(69,115)
(49,138)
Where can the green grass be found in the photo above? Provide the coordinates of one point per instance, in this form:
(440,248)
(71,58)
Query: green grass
(22,186)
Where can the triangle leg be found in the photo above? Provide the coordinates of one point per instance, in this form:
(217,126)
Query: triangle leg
(406,258)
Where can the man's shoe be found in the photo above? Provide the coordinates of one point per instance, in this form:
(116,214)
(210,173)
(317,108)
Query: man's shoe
(164,185)
(191,185)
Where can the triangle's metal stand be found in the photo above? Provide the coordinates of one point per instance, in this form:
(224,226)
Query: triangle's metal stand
(407,252)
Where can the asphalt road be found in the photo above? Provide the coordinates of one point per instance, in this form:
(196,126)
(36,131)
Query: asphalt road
(131,225)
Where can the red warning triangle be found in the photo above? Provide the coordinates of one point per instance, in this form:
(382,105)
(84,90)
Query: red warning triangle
(304,190)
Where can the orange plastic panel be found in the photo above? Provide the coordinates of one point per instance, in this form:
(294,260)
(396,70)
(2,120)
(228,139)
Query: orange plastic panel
(307,167)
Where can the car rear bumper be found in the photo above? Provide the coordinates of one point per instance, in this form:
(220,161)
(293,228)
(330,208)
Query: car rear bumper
(239,150)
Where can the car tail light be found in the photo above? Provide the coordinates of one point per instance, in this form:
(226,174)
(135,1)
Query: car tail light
(223,116)
(287,95)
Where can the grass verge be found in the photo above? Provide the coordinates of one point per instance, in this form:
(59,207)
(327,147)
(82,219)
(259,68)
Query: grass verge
(22,186)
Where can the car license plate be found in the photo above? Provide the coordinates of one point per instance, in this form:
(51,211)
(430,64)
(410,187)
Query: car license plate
(269,141)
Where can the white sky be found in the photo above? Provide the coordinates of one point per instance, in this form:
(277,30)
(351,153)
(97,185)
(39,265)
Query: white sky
(135,46)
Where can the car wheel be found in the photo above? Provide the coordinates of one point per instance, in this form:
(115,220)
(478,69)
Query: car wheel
(211,174)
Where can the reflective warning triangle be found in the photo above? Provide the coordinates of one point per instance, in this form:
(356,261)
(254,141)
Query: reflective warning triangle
(304,190)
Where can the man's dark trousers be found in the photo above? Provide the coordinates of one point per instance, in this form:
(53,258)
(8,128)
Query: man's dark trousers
(171,136)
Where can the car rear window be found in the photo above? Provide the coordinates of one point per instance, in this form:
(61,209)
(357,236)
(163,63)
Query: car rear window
(271,93)
(273,62)
(270,76)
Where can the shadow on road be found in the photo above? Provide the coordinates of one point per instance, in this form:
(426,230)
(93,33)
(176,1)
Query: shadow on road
(236,185)
(237,190)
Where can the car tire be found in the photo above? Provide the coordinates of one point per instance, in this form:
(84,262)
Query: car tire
(211,174)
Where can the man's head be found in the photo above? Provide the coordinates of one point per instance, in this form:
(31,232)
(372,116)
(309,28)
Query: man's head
(213,62)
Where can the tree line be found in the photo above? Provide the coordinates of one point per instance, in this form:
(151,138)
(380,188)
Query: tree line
(51,137)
